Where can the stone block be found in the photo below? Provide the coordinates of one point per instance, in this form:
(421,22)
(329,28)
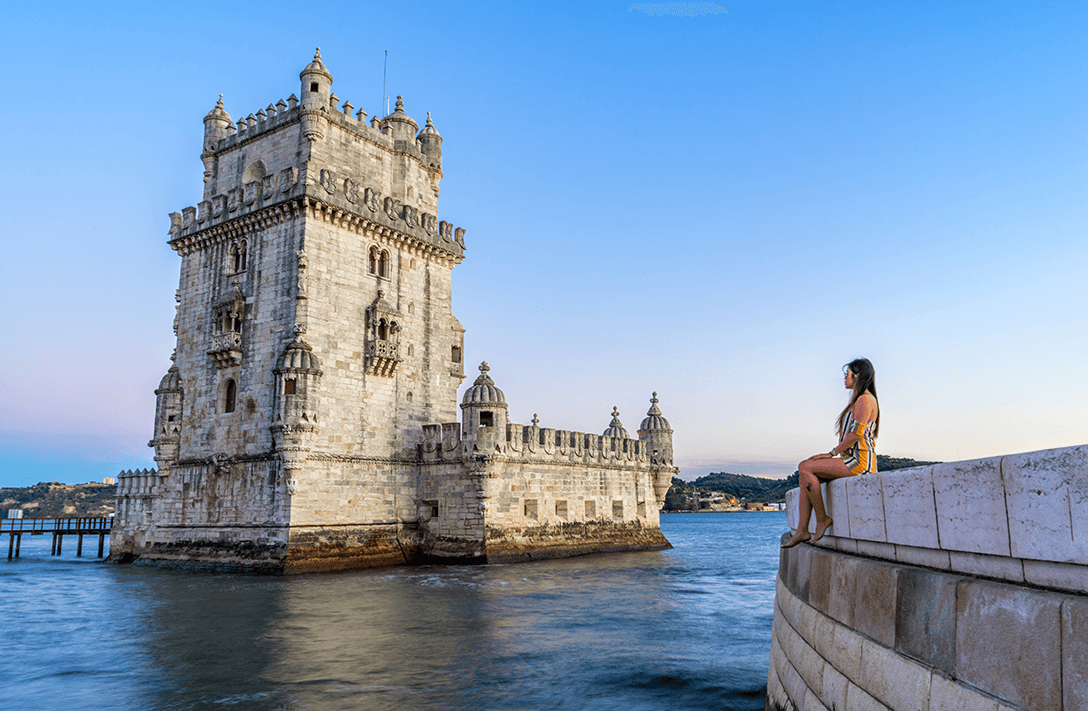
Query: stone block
(926,557)
(947,695)
(791,508)
(844,653)
(842,589)
(823,632)
(990,566)
(819,579)
(837,505)
(803,556)
(858,700)
(793,683)
(1047,498)
(1075,654)
(806,624)
(1063,576)
(866,508)
(1024,626)
(876,549)
(833,693)
(910,512)
(813,703)
(925,620)
(776,693)
(810,666)
(971,506)
(874,613)
(895,681)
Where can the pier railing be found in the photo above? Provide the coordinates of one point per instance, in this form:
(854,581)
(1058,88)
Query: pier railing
(60,527)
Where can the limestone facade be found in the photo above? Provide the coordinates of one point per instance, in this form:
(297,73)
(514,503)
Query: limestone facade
(308,421)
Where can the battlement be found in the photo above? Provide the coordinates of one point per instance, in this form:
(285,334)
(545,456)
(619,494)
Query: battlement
(137,483)
(447,442)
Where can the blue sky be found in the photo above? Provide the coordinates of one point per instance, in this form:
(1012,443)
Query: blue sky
(722,208)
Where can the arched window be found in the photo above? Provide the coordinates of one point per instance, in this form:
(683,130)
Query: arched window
(230,397)
(372,267)
(383,264)
(382,330)
(238,254)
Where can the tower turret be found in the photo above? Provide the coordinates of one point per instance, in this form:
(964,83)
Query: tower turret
(316,93)
(401,125)
(217,125)
(483,410)
(615,427)
(431,140)
(656,432)
(168,402)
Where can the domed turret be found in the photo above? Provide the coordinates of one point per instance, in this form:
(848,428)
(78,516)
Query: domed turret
(216,124)
(401,124)
(168,405)
(316,83)
(299,357)
(432,144)
(483,404)
(654,422)
(615,428)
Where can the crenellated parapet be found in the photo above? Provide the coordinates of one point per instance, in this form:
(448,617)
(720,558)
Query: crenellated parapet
(138,484)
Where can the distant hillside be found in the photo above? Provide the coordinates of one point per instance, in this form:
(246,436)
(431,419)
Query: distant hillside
(54,500)
(752,488)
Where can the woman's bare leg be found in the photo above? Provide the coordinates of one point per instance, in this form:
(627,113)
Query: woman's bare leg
(804,511)
(811,472)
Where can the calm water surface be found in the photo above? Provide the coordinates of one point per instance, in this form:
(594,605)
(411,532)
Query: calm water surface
(687,628)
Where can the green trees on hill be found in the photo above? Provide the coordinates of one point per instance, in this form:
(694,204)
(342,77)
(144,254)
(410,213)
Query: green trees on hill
(751,488)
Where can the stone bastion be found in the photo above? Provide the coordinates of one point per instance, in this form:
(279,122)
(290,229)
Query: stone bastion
(959,585)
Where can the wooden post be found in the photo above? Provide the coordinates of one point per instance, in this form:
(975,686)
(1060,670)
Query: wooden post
(60,541)
(79,545)
(53,550)
(11,545)
(101,543)
(18,544)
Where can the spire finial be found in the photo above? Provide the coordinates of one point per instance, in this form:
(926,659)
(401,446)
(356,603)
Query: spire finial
(615,411)
(317,55)
(535,421)
(484,367)
(654,410)
(219,104)
(429,122)
(400,104)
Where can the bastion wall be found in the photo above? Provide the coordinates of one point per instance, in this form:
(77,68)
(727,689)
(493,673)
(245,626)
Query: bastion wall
(960,585)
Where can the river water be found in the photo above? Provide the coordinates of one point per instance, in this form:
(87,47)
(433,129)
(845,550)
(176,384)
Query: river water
(687,628)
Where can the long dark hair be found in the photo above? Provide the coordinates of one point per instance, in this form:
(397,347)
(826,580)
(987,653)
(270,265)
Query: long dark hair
(864,381)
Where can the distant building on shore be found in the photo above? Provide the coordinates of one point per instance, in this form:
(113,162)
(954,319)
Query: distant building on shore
(308,421)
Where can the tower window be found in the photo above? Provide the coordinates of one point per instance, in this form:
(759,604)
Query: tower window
(313,86)
(455,354)
(372,266)
(231,397)
(288,387)
(383,264)
(409,396)
(487,419)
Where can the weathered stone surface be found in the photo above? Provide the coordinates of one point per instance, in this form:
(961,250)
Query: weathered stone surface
(947,695)
(1075,654)
(819,580)
(837,505)
(1047,497)
(895,681)
(1061,576)
(926,557)
(842,589)
(866,507)
(925,620)
(971,506)
(1008,642)
(990,566)
(874,614)
(910,514)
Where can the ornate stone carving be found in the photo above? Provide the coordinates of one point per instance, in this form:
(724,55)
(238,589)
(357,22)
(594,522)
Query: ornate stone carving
(250,192)
(392,208)
(219,205)
(268,186)
(234,199)
(429,222)
(459,235)
(288,178)
(328,181)
(188,217)
(351,190)
(411,216)
(445,231)
(372,198)
(303,262)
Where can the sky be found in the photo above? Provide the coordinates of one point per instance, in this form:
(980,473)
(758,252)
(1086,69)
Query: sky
(720,202)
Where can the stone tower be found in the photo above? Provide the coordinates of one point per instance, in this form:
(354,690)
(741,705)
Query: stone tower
(317,351)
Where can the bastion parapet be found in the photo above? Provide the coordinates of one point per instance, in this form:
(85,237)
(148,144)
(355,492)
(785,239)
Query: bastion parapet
(958,585)
(308,419)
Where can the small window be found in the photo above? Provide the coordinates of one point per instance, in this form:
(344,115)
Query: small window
(383,264)
(372,266)
(313,86)
(531,508)
(289,387)
(409,349)
(434,510)
(455,354)
(409,396)
(642,509)
(411,307)
(231,397)
(487,419)
(409,191)
(617,509)
(591,509)
(561,509)
(170,418)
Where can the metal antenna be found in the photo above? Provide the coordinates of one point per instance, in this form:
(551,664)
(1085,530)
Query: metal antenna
(385,73)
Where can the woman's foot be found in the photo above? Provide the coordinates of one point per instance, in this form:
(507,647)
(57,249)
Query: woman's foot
(821,528)
(799,537)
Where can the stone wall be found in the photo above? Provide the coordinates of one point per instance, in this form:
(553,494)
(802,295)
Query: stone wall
(955,586)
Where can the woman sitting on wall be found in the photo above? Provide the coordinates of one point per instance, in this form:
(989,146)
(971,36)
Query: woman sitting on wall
(858,425)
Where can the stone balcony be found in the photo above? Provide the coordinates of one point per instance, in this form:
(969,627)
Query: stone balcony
(382,357)
(226,349)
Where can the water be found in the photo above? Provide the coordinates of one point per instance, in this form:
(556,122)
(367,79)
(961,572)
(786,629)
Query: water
(687,628)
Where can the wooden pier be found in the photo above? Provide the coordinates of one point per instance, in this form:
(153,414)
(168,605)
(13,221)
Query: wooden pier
(60,527)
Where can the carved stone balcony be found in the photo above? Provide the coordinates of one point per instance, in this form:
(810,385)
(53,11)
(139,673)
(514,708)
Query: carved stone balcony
(382,357)
(226,349)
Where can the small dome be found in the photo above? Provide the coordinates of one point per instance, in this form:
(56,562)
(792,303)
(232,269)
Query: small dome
(429,129)
(483,391)
(399,115)
(171,381)
(299,356)
(615,428)
(316,67)
(218,112)
(654,421)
